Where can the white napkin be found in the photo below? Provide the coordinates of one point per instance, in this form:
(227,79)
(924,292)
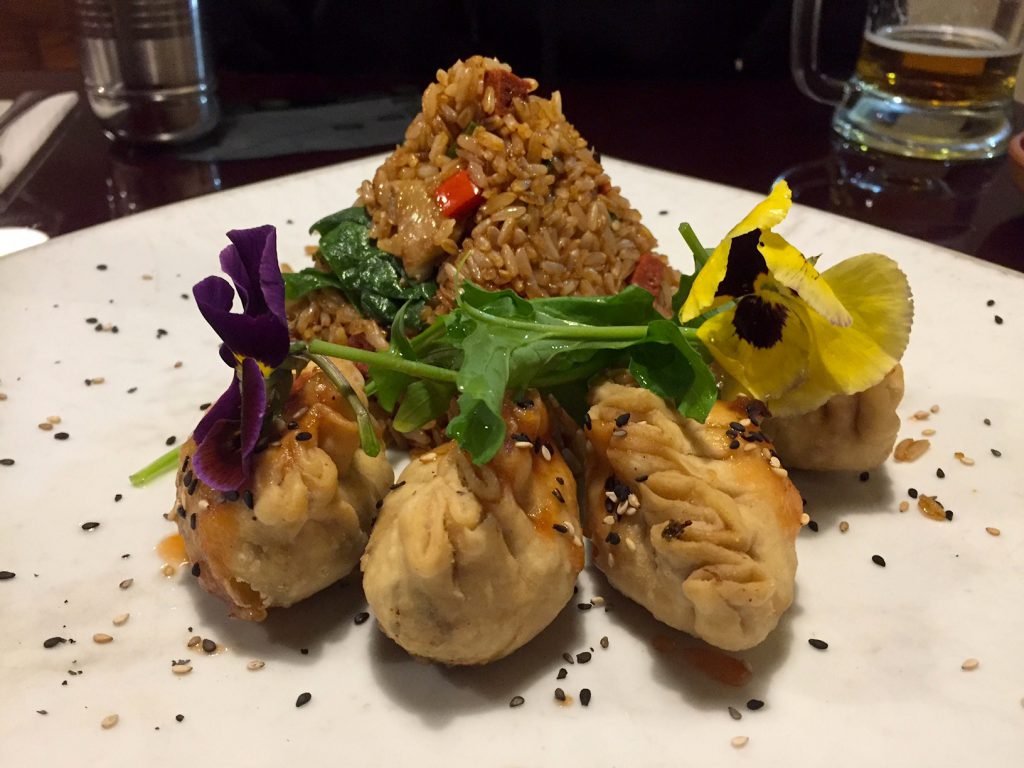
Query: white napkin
(23,138)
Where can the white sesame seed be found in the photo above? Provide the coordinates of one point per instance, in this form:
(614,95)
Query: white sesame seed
(545,452)
(843,526)
(927,432)
(181,669)
(426,458)
(98,380)
(934,409)
(167,569)
(109,722)
(120,619)
(610,496)
(805,518)
(194,641)
(147,276)
(609,520)
(611,560)
(618,433)
(300,413)
(920,415)
(597,600)
(621,509)
(45,426)
(204,504)
(577,541)
(630,545)
(969,665)
(255,664)
(101,638)
(739,741)
(993,531)
(745,422)
(774,461)
(524,444)
(633,500)
(750,447)
(53,419)
(904,505)
(779,472)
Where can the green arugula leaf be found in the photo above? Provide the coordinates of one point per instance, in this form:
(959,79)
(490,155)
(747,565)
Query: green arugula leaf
(424,401)
(667,364)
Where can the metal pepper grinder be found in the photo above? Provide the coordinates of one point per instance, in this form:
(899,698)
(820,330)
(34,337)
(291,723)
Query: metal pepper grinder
(147,69)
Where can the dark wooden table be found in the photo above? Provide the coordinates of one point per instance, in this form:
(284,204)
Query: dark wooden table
(741,131)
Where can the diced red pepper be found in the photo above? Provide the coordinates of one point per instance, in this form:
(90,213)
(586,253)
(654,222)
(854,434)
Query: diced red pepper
(648,273)
(458,196)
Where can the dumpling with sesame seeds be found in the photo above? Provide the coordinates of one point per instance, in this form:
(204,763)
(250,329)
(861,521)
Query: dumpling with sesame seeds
(467,563)
(696,522)
(304,518)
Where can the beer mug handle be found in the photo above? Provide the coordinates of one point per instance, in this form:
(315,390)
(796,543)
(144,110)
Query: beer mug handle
(803,54)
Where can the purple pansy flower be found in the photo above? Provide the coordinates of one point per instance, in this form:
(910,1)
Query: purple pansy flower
(254,341)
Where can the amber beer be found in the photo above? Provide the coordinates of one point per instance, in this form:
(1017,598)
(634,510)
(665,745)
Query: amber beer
(941,65)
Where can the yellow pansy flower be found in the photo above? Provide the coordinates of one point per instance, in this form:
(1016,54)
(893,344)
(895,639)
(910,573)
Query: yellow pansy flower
(789,335)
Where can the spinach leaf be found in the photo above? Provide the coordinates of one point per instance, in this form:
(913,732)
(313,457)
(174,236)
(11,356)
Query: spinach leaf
(298,284)
(373,281)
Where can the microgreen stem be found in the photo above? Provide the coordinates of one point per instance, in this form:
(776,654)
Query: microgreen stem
(700,255)
(576,331)
(155,468)
(367,437)
(384,360)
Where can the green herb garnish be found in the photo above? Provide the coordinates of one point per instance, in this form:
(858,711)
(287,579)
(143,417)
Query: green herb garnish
(373,281)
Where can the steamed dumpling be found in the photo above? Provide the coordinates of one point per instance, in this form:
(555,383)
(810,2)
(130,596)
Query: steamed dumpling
(312,505)
(699,533)
(467,563)
(848,432)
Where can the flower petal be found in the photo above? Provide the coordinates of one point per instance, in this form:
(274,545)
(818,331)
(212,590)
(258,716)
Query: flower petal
(228,406)
(878,296)
(789,267)
(217,460)
(764,372)
(704,293)
(254,407)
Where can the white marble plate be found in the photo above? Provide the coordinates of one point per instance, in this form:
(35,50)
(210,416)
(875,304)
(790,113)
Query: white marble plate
(889,689)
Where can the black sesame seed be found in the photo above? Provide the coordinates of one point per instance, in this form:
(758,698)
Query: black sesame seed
(113,329)
(558,495)
(604,641)
(248,499)
(398,485)
(998,319)
(160,333)
(622,420)
(939,473)
(303,436)
(61,436)
(204,406)
(91,320)
(735,714)
(90,526)
(5,575)
(170,440)
(41,712)
(193,485)
(585,697)
(987,422)
(878,560)
(179,718)
(132,390)
(813,525)
(912,493)
(996,453)
(583,657)
(560,528)
(118,497)
(821,645)
(304,651)
(195,569)
(192,521)
(949,514)
(584,606)
(864,476)
(559,694)
(560,480)
(613,538)
(231,496)
(361,617)
(516,701)
(562,672)
(209,646)
(52,642)
(7,462)
(587,423)
(181,511)
(755,704)
(568,657)
(303,699)
(990,303)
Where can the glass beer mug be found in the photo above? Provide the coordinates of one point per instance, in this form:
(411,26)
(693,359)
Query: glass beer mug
(934,79)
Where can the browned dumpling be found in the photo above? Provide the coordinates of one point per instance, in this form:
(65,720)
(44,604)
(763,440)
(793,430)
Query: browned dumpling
(467,563)
(848,432)
(303,522)
(696,522)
